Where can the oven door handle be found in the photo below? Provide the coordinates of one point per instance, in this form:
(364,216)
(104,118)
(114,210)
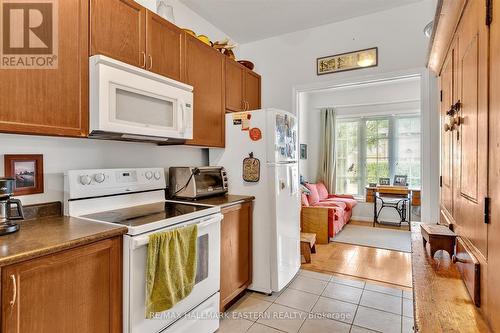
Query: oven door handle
(144,240)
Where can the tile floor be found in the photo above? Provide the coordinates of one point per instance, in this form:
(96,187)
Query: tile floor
(317,302)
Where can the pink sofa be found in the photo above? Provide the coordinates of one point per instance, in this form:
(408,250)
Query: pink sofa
(339,206)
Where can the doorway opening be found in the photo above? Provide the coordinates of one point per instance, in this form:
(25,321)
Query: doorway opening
(383,133)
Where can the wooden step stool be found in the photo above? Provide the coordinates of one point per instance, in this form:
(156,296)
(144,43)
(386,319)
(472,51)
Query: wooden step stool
(439,237)
(307,245)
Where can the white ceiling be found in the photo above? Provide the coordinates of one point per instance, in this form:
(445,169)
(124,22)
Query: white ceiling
(250,20)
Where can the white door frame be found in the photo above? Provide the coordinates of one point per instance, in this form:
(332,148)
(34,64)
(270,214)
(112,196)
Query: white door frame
(430,127)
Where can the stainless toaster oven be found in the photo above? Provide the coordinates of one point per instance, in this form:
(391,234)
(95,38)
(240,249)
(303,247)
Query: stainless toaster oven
(197,182)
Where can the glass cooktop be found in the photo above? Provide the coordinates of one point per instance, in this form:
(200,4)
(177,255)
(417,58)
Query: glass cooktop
(144,214)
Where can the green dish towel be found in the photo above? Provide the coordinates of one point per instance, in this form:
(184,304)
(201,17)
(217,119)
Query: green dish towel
(171,268)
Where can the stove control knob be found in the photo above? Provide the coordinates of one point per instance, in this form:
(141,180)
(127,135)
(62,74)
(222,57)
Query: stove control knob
(148,175)
(99,177)
(85,180)
(157,175)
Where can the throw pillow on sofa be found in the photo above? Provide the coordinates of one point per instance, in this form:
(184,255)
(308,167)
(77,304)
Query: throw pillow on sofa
(313,198)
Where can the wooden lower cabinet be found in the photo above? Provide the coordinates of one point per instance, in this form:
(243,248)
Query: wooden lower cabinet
(77,290)
(236,252)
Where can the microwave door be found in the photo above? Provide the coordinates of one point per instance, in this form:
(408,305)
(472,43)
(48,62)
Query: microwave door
(132,101)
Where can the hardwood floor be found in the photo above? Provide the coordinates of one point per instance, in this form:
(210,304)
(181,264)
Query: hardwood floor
(364,262)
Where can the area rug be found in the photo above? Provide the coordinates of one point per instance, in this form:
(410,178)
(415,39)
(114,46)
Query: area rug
(382,238)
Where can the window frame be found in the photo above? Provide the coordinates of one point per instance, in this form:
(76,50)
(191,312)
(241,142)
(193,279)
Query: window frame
(393,142)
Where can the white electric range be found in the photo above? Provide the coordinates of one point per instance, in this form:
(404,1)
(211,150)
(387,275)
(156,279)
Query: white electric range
(135,198)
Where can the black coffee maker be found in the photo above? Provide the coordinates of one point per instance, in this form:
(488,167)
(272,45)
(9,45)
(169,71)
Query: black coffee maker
(7,220)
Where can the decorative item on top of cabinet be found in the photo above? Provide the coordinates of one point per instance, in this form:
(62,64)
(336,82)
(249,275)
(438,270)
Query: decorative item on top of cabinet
(225,47)
(236,252)
(165,10)
(205,72)
(243,88)
(52,101)
(247,63)
(77,290)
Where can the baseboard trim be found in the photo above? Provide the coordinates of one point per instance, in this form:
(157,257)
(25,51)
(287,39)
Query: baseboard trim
(370,219)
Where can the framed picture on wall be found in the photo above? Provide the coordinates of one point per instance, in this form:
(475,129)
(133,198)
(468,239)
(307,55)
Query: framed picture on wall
(303,151)
(27,170)
(347,61)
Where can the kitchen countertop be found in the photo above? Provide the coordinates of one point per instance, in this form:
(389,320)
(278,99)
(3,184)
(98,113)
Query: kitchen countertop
(42,236)
(441,300)
(223,200)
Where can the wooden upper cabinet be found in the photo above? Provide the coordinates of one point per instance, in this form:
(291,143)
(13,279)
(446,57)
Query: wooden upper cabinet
(252,90)
(78,290)
(242,87)
(235,86)
(52,101)
(118,30)
(164,47)
(205,72)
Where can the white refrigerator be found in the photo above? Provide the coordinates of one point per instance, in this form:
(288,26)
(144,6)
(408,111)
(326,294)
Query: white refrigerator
(271,136)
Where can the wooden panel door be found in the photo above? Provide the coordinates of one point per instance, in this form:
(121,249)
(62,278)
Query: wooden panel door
(252,90)
(472,71)
(205,72)
(78,290)
(164,47)
(493,292)
(447,99)
(235,86)
(52,101)
(236,251)
(118,30)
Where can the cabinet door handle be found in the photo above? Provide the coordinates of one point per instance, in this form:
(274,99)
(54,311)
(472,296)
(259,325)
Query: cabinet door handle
(150,61)
(14,290)
(143,59)
(248,105)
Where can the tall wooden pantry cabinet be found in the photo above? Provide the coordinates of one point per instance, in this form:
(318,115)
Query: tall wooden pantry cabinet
(465,55)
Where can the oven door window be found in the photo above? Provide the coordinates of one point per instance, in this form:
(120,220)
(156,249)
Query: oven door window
(136,108)
(202,249)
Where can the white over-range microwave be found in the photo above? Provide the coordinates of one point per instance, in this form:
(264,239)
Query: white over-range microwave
(133,104)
